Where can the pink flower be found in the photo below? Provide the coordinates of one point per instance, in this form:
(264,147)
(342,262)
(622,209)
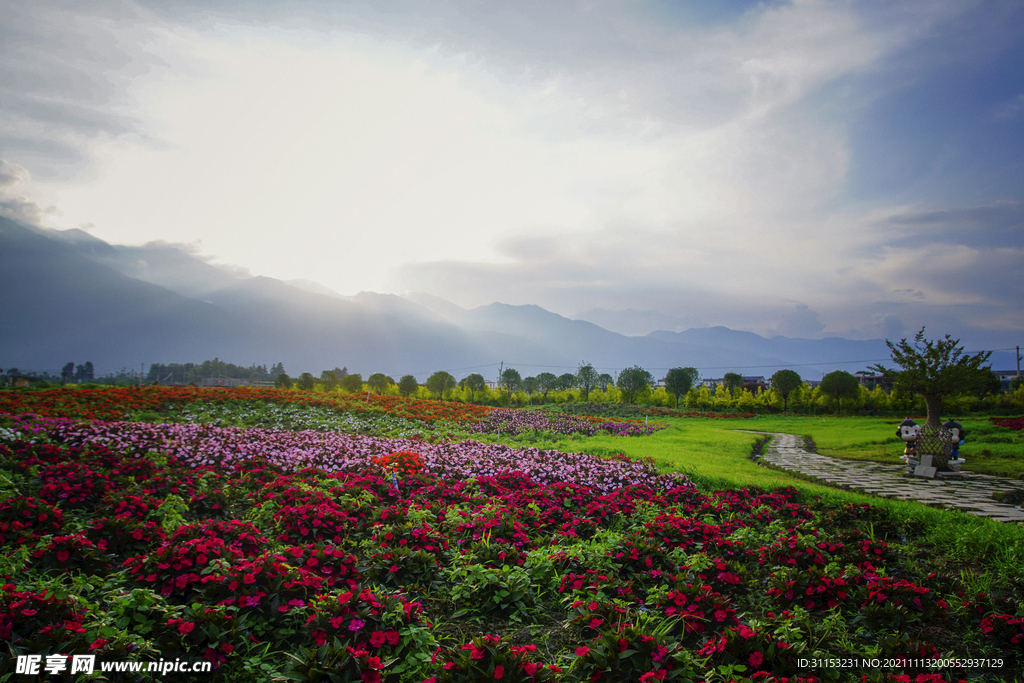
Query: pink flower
(755,658)
(499,671)
(582,651)
(356,624)
(186,627)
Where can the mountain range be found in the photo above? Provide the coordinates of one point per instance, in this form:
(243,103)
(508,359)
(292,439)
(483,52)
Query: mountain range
(68,296)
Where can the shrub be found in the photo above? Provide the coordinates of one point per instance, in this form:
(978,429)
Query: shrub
(487,659)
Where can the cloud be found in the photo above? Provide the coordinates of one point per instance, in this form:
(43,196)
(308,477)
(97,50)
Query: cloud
(696,274)
(890,325)
(800,321)
(995,225)
(575,155)
(65,77)
(11,175)
(14,205)
(1011,109)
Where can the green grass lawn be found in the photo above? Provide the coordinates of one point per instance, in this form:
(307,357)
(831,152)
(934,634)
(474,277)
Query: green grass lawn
(998,451)
(717,456)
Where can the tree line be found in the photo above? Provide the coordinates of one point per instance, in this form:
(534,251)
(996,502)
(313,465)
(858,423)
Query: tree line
(934,375)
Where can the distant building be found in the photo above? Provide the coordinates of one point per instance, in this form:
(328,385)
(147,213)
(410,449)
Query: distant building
(224,382)
(752,382)
(1005,377)
(18,381)
(755,382)
(869,379)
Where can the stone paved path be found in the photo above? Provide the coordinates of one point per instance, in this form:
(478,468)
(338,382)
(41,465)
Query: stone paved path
(970,492)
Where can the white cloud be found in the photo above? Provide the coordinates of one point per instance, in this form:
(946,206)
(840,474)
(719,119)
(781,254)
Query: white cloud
(575,156)
(13,204)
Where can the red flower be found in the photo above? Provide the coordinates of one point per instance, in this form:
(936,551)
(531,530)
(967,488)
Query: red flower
(582,651)
(499,671)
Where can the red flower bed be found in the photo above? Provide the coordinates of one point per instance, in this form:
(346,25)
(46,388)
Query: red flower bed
(113,403)
(24,519)
(648,580)
(1008,422)
(35,621)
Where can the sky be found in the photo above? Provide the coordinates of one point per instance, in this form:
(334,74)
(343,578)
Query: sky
(807,168)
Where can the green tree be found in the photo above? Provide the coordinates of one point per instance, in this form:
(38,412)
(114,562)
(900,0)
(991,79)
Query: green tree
(329,379)
(586,379)
(283,381)
(408,385)
(440,382)
(839,385)
(678,381)
(546,382)
(991,385)
(784,382)
(379,382)
(604,380)
(84,372)
(633,381)
(305,382)
(566,381)
(733,381)
(935,368)
(352,382)
(530,385)
(510,380)
(67,373)
(473,382)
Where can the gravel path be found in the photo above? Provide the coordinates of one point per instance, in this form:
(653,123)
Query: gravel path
(970,492)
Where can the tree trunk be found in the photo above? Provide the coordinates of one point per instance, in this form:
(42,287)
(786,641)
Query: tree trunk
(934,404)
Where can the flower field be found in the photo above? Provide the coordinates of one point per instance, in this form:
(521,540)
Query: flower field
(113,403)
(503,420)
(320,555)
(1016,423)
(626,411)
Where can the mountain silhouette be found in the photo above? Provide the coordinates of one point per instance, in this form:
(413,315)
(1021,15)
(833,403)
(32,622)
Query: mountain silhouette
(68,295)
